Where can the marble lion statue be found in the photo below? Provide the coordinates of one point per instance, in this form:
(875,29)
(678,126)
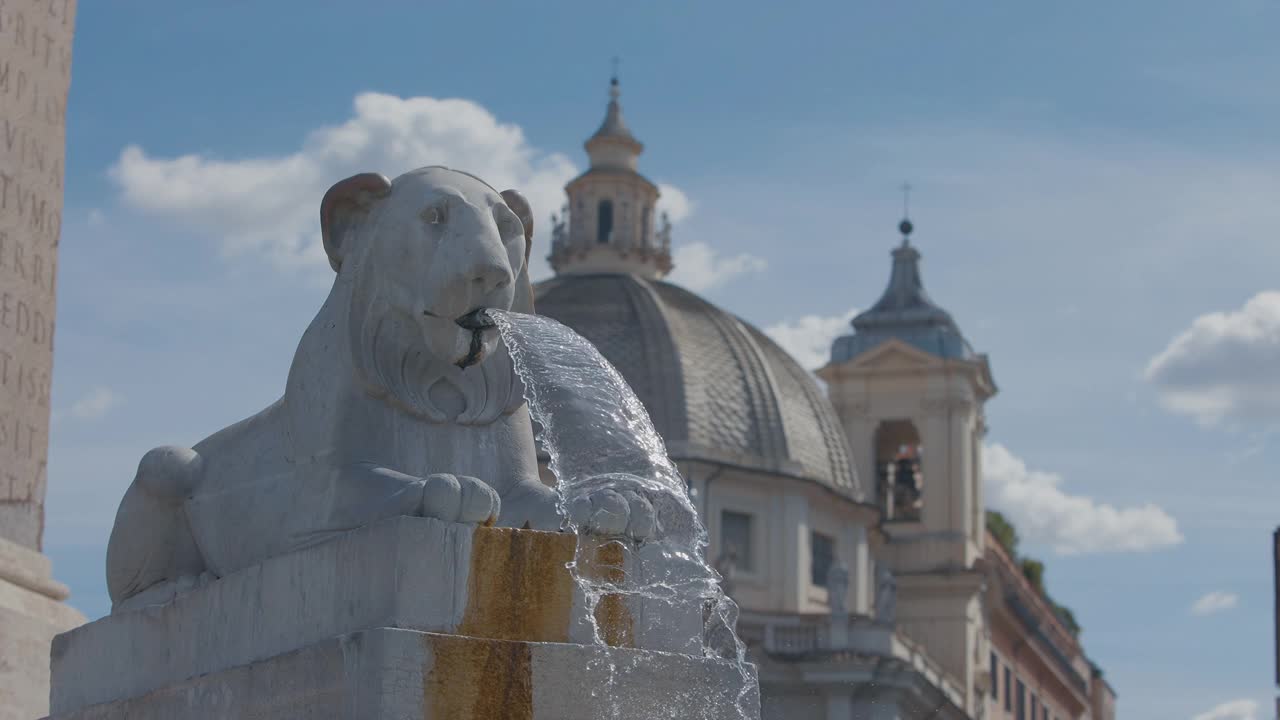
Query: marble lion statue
(401,400)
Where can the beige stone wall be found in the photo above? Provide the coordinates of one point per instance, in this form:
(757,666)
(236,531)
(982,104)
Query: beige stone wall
(35,71)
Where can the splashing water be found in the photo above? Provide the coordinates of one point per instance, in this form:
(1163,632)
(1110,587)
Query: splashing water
(599,436)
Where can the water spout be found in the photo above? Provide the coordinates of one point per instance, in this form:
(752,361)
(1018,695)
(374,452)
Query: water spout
(598,435)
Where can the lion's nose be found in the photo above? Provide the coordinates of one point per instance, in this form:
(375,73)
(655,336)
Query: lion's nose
(489,277)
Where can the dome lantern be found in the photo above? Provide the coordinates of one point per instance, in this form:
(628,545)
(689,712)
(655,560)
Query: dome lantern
(610,223)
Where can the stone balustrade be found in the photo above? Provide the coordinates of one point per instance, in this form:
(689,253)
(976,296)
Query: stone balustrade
(808,635)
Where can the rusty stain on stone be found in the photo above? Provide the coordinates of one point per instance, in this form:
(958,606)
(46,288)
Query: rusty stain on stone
(478,679)
(519,586)
(613,617)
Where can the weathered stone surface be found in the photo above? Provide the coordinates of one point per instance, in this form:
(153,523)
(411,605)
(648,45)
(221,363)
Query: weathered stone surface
(35,73)
(31,613)
(414,573)
(389,673)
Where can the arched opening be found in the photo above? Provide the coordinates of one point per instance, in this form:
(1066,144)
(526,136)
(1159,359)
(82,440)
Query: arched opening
(899,456)
(644,228)
(604,221)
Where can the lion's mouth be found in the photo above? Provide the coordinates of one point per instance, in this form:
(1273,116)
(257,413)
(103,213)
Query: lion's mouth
(476,321)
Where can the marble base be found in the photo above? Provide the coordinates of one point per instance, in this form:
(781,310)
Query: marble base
(388,673)
(362,621)
(31,614)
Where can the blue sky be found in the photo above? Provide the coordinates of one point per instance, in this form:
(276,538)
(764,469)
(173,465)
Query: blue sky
(1095,191)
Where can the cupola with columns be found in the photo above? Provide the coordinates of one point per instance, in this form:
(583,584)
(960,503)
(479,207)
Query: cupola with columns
(609,223)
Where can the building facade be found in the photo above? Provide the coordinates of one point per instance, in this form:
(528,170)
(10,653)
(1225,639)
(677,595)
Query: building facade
(849,524)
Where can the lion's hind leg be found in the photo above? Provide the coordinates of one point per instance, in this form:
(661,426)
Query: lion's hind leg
(152,553)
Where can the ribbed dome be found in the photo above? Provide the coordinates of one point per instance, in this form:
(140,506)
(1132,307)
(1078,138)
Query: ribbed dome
(717,388)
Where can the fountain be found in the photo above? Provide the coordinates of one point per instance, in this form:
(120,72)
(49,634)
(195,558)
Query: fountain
(377,543)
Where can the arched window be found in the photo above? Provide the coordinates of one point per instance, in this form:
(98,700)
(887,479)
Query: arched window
(604,221)
(644,228)
(898,469)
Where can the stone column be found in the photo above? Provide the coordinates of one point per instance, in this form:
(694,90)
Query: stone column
(35,70)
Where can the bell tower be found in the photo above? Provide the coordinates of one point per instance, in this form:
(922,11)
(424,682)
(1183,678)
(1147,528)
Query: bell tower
(909,391)
(609,224)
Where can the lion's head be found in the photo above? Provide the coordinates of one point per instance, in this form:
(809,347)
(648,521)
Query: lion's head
(417,257)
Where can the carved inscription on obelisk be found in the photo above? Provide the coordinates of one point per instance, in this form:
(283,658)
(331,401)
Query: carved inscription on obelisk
(35,72)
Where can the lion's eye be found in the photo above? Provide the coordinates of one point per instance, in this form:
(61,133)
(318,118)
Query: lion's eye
(434,215)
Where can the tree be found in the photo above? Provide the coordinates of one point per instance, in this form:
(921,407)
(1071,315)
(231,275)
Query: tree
(1033,571)
(1068,618)
(1003,531)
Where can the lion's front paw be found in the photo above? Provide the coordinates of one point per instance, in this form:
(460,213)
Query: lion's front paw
(619,509)
(458,498)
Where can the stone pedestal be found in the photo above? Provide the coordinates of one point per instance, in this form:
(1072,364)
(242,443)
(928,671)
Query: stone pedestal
(31,613)
(408,617)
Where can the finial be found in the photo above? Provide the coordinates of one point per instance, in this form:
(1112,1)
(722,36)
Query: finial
(613,80)
(905,227)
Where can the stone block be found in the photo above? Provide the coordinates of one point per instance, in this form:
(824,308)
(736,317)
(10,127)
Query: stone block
(411,573)
(389,673)
(31,614)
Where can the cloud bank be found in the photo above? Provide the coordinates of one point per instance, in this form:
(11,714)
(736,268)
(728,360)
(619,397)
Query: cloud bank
(1222,369)
(1242,709)
(1214,602)
(809,338)
(269,205)
(1071,524)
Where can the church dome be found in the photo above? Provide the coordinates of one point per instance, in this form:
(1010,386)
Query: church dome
(717,388)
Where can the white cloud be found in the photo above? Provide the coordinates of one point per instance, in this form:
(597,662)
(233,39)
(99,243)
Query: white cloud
(1232,710)
(95,218)
(95,404)
(1214,602)
(700,267)
(269,205)
(809,338)
(1071,524)
(1223,367)
(673,202)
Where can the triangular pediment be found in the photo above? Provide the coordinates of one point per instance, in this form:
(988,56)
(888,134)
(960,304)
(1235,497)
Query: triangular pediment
(894,354)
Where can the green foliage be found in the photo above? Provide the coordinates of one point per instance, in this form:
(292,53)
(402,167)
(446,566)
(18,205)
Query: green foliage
(1068,618)
(1003,531)
(1032,569)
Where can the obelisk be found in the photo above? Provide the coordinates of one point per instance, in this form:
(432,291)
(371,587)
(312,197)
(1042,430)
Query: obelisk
(35,73)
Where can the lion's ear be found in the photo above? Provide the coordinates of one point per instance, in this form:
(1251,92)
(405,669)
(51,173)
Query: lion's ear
(345,203)
(524,289)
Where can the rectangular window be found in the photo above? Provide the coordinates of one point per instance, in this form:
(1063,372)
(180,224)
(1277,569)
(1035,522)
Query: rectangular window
(1008,690)
(1035,708)
(735,538)
(1022,701)
(995,676)
(821,554)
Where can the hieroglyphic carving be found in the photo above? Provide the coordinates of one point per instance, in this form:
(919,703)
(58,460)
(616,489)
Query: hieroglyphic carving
(35,72)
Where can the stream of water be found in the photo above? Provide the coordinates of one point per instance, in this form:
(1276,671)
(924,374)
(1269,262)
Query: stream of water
(599,436)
